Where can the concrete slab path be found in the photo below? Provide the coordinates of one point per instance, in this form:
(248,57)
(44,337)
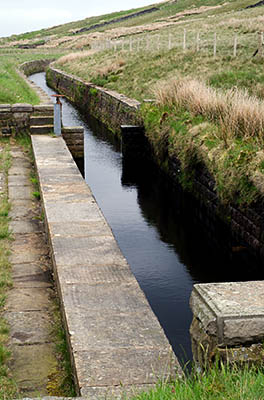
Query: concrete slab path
(30,302)
(116,342)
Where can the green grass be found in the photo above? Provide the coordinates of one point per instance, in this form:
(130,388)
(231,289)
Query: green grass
(218,383)
(13,87)
(7,385)
(61,381)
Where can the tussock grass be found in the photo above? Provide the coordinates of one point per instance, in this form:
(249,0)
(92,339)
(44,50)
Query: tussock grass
(222,130)
(239,114)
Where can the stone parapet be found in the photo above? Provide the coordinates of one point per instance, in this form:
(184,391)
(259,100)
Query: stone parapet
(228,322)
(111,108)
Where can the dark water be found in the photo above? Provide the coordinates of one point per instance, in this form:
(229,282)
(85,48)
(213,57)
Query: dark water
(157,230)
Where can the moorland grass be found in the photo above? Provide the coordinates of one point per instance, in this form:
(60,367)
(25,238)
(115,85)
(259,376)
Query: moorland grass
(14,89)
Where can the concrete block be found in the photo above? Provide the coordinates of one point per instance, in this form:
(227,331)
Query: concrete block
(22,108)
(227,315)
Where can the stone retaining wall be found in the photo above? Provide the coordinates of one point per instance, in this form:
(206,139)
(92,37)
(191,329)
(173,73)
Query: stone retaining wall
(34,66)
(109,107)
(15,118)
(74,138)
(243,227)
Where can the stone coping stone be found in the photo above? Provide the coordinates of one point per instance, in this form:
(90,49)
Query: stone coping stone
(115,338)
(75,129)
(22,107)
(5,108)
(232,312)
(132,103)
(43,108)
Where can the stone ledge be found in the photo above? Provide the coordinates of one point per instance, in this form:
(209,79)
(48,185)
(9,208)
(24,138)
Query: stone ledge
(227,315)
(114,337)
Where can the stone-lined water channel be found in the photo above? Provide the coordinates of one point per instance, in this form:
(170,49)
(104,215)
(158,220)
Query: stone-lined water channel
(157,230)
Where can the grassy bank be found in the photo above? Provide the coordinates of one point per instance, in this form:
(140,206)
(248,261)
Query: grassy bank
(13,87)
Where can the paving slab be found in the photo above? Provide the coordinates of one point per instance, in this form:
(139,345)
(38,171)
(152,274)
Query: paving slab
(32,226)
(72,212)
(29,327)
(114,392)
(89,250)
(42,280)
(123,366)
(20,193)
(21,270)
(115,339)
(18,180)
(31,365)
(30,299)
(17,170)
(79,229)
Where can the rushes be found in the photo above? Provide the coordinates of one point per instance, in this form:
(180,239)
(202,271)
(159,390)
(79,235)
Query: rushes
(240,115)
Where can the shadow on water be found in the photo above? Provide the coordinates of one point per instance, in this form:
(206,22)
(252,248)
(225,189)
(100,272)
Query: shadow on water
(166,237)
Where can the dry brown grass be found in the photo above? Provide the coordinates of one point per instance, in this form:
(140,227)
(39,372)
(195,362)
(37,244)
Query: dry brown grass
(74,57)
(109,68)
(239,114)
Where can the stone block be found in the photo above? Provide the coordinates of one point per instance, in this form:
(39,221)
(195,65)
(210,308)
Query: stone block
(226,315)
(22,108)
(5,108)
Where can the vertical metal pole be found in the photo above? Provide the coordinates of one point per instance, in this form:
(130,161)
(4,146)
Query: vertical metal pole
(57,117)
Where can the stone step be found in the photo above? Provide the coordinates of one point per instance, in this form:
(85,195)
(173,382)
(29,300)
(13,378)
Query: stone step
(44,109)
(41,120)
(39,130)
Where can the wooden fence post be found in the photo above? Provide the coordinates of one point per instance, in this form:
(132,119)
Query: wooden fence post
(197,41)
(235,46)
(215,45)
(260,46)
(184,40)
(169,41)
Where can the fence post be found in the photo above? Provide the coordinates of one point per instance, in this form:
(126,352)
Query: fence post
(169,41)
(184,40)
(235,46)
(130,44)
(197,42)
(215,45)
(147,43)
(260,47)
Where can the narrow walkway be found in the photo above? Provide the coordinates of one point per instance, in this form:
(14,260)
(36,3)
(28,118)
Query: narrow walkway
(29,303)
(117,344)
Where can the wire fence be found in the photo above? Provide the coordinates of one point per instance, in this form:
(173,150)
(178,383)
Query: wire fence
(209,43)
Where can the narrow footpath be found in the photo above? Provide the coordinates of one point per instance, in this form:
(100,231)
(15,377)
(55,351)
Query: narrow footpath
(30,302)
